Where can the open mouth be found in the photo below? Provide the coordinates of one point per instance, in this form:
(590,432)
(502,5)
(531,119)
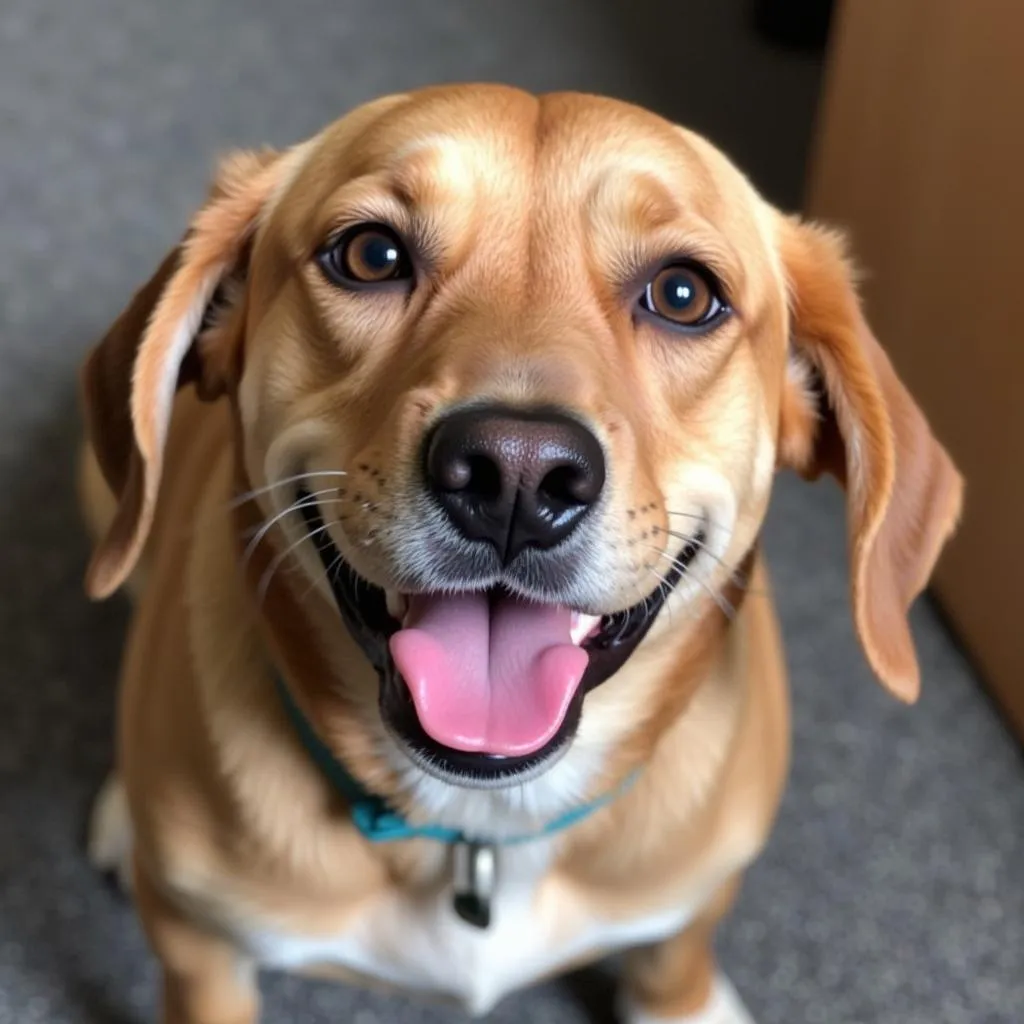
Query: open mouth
(484,685)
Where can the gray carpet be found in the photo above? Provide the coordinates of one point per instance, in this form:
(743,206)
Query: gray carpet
(893,890)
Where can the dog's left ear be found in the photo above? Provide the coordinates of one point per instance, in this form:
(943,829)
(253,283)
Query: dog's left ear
(160,343)
(845,412)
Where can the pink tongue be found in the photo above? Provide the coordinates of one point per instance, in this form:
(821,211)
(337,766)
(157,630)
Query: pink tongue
(488,675)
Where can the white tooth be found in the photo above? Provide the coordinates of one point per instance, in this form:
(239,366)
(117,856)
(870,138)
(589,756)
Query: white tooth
(397,604)
(580,626)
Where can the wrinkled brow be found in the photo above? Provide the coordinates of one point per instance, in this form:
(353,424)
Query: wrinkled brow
(437,170)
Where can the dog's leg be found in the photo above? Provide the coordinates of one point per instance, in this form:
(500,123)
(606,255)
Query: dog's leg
(677,981)
(110,832)
(206,979)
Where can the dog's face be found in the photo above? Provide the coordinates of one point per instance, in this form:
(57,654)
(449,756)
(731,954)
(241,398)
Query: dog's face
(514,376)
(545,345)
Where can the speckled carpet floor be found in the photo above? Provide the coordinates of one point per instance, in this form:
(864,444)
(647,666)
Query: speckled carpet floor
(893,890)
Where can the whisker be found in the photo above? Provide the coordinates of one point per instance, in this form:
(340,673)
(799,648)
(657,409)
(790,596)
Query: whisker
(241,499)
(264,585)
(625,620)
(295,506)
(735,576)
(722,602)
(728,608)
(624,627)
(708,527)
(665,586)
(698,543)
(625,613)
(326,575)
(647,612)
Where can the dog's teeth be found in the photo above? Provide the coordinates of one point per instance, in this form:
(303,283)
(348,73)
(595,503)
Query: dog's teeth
(581,626)
(397,604)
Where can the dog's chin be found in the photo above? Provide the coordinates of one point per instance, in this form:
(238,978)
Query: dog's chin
(609,641)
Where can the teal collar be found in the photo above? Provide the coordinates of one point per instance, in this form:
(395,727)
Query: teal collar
(380,823)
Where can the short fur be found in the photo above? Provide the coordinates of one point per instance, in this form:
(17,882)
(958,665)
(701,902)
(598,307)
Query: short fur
(532,213)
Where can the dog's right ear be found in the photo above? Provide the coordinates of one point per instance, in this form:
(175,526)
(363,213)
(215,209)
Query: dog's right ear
(154,347)
(845,412)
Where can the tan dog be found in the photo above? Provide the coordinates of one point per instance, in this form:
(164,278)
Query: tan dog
(457,522)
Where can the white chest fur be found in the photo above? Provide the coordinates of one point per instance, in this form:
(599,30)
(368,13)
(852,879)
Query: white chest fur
(538,926)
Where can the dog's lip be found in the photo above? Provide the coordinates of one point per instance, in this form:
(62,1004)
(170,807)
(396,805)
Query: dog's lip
(584,624)
(364,608)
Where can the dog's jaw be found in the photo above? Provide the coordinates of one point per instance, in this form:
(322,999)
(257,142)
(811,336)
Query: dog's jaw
(601,646)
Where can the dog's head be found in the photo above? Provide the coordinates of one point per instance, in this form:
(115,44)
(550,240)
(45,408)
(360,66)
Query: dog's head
(522,371)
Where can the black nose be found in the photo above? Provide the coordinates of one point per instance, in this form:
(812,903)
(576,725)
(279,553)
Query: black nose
(514,478)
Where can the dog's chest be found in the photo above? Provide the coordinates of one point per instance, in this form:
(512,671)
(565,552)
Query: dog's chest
(539,925)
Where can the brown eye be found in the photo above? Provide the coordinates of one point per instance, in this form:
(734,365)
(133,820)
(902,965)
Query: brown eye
(683,295)
(367,255)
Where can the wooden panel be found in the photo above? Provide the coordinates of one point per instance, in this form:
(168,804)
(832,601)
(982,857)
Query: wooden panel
(920,153)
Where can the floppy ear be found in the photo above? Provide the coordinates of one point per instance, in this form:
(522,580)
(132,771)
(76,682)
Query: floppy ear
(158,344)
(845,412)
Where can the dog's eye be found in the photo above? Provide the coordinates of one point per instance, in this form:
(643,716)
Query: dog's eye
(685,295)
(367,254)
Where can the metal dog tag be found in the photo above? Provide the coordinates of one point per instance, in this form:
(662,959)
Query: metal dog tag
(474,874)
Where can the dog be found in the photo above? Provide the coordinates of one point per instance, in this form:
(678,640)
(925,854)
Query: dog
(434,460)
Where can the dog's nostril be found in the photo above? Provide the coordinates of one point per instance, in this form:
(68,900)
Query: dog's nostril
(565,485)
(475,475)
(484,478)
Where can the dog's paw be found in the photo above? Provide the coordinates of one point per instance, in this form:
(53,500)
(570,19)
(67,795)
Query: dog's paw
(724,1007)
(110,833)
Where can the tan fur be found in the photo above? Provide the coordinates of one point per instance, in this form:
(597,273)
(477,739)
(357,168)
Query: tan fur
(531,211)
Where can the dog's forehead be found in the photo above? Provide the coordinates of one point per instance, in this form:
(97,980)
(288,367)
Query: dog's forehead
(503,141)
(489,170)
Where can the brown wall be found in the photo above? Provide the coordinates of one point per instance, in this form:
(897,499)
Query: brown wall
(921,154)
